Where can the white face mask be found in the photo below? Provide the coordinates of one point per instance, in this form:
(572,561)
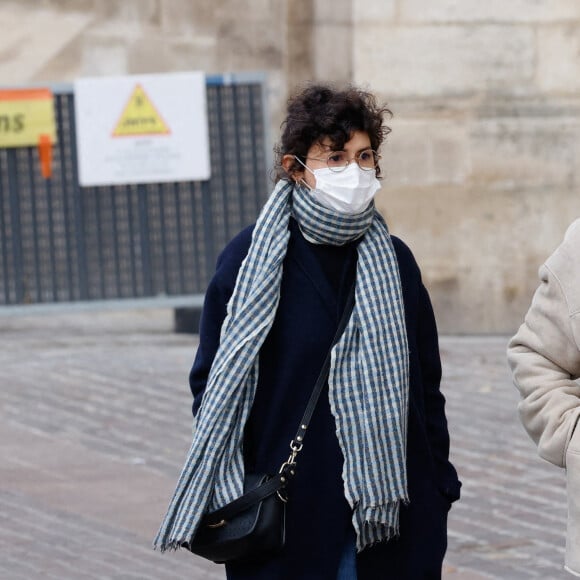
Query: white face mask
(348,191)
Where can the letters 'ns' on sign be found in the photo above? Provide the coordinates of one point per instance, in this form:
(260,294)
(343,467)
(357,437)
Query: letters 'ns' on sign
(140,117)
(26,115)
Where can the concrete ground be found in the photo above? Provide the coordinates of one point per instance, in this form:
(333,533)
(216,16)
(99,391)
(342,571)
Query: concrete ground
(95,424)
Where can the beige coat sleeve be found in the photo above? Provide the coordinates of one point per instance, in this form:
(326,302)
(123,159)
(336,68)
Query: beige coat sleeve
(544,355)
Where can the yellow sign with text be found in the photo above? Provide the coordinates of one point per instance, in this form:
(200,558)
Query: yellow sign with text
(25,116)
(140,117)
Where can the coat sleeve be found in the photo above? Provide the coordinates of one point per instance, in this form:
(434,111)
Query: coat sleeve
(435,417)
(212,318)
(217,296)
(421,323)
(545,361)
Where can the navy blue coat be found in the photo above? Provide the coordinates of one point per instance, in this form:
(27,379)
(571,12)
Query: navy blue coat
(315,284)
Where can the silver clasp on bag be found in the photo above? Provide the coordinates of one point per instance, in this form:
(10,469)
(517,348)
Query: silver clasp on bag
(295,448)
(289,464)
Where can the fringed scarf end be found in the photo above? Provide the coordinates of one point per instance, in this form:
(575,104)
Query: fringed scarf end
(376,524)
(170,546)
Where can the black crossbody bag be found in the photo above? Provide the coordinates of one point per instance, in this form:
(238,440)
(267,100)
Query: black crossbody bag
(253,527)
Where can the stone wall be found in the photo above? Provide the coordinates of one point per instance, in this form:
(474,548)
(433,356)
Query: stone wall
(59,40)
(482,164)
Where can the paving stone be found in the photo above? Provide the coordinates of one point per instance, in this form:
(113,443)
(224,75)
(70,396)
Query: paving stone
(95,423)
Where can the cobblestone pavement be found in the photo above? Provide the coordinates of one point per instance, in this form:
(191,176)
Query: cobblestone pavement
(95,424)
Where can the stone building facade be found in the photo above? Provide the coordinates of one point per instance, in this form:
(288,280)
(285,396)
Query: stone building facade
(483,164)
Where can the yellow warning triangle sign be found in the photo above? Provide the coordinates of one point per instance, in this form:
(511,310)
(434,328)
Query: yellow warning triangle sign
(140,117)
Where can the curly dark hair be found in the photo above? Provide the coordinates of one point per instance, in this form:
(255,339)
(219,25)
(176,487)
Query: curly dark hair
(321,111)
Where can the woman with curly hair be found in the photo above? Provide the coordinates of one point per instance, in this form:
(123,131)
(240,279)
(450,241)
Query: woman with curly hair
(373,486)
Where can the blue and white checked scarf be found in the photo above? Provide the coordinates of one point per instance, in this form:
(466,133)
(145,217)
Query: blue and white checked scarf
(368,381)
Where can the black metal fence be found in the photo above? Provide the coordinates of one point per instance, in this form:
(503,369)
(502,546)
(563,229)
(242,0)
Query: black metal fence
(63,243)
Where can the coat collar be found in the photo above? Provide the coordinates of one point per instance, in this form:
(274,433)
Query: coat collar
(303,254)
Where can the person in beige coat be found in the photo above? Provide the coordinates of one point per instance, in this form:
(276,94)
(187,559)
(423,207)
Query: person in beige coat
(544,356)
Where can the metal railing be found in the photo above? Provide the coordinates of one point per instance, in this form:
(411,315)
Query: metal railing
(60,243)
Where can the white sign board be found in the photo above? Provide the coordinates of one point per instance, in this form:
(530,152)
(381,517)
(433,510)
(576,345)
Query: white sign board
(142,129)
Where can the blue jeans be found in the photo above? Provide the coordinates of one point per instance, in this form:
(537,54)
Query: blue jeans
(347,565)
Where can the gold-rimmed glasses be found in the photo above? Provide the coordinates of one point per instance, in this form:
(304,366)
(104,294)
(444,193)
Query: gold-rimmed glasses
(337,161)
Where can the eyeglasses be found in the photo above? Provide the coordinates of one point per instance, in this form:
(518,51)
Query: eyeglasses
(337,161)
